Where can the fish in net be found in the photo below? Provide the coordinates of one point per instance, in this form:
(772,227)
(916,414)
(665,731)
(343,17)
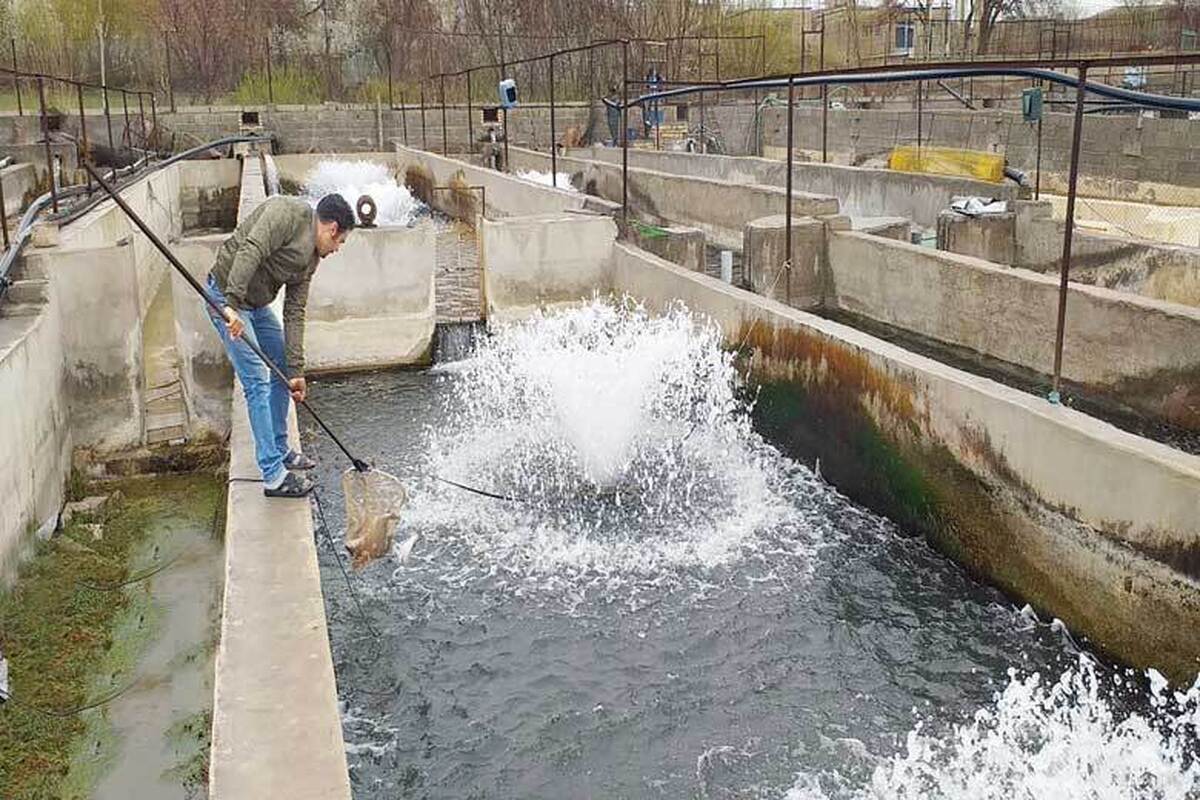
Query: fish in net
(374,499)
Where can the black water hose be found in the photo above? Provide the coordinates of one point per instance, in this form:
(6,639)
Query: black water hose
(25,226)
(1014,174)
(359,465)
(1143,99)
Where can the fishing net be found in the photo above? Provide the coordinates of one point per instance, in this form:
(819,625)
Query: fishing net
(373,502)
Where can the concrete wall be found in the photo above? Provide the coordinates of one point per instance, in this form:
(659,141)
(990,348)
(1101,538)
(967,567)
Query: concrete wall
(20,181)
(208,193)
(991,237)
(34,434)
(719,208)
(547,260)
(1085,522)
(507,195)
(861,191)
(1010,314)
(100,330)
(341,129)
(1167,224)
(371,304)
(203,366)
(1122,157)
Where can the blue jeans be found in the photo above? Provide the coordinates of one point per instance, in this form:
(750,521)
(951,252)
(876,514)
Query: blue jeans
(267,397)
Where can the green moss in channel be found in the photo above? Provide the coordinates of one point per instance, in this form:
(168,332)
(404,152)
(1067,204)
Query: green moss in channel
(64,642)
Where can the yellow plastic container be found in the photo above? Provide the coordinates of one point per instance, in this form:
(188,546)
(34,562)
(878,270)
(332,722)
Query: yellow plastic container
(948,161)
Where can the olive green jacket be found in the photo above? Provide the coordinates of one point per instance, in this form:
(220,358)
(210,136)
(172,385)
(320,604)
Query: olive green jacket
(274,246)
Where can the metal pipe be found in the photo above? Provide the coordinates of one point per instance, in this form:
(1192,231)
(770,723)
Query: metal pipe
(1037,180)
(170,80)
(154,121)
(83,137)
(1068,233)
(270,76)
(16,80)
(125,137)
(824,122)
(108,117)
(142,116)
(442,91)
(404,118)
(3,218)
(624,133)
(553,132)
(46,138)
(424,131)
(787,238)
(470,118)
(391,100)
(920,115)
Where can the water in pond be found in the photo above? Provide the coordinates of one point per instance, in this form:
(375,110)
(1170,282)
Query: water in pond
(671,608)
(352,179)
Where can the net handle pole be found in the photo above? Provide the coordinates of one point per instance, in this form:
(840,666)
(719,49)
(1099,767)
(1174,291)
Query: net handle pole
(359,465)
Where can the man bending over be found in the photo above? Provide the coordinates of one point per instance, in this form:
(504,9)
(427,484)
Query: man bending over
(278,245)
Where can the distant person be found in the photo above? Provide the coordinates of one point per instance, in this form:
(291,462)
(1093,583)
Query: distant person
(278,245)
(650,113)
(613,114)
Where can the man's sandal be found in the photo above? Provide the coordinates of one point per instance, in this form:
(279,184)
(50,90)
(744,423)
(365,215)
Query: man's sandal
(293,486)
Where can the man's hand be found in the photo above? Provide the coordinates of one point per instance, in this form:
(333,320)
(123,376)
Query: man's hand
(234,323)
(299,389)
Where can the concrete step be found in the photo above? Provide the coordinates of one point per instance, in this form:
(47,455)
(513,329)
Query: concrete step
(170,389)
(28,291)
(173,434)
(8,309)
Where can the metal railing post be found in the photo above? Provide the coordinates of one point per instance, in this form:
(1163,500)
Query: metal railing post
(3,215)
(46,138)
(470,118)
(142,116)
(270,75)
(83,149)
(125,137)
(442,90)
(625,131)
(824,123)
(170,78)
(424,131)
(787,228)
(404,118)
(16,81)
(391,100)
(553,131)
(1068,232)
(108,116)
(154,121)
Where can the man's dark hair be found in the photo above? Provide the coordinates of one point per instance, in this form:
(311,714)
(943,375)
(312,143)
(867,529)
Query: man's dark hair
(334,208)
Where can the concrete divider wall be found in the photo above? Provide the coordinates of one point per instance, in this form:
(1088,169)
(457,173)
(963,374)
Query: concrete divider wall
(34,434)
(544,261)
(19,181)
(203,366)
(208,193)
(718,208)
(1087,523)
(1142,351)
(507,195)
(96,290)
(371,304)
(861,191)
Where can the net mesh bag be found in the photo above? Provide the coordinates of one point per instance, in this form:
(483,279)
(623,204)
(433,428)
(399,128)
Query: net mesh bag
(374,499)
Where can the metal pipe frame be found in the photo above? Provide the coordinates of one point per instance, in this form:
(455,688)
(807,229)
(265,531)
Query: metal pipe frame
(1068,233)
(41,86)
(787,226)
(553,132)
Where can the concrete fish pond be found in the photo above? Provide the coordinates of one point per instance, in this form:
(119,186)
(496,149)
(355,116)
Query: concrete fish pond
(667,604)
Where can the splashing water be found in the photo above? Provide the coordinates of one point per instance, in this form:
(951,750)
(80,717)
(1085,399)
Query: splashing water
(621,435)
(1067,739)
(352,179)
(544,178)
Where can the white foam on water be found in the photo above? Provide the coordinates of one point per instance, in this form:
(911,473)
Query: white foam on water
(627,445)
(546,179)
(1068,739)
(352,179)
